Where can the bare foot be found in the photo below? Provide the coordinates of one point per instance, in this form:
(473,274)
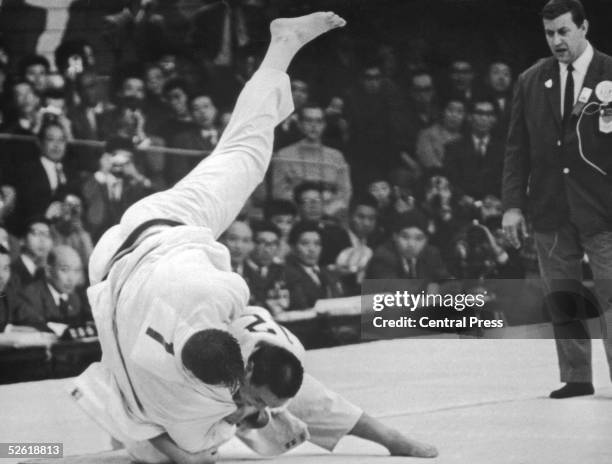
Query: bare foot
(400,445)
(303,29)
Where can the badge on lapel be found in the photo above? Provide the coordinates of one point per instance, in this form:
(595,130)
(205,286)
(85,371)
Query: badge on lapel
(548,84)
(603,91)
(583,99)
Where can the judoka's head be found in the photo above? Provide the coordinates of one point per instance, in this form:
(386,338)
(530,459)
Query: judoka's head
(273,376)
(214,357)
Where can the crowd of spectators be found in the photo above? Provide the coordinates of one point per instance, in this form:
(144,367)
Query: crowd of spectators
(378,174)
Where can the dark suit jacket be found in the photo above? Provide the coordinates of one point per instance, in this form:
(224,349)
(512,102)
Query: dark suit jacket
(34,194)
(178,167)
(303,290)
(20,275)
(38,308)
(473,174)
(543,159)
(386,263)
(260,286)
(101,212)
(9,306)
(334,239)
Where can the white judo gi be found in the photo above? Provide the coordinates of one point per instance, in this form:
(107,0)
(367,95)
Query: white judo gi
(176,281)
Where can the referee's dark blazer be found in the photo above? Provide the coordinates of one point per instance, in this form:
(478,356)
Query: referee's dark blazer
(543,171)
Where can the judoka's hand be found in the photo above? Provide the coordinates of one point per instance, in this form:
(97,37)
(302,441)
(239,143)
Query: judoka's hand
(256,420)
(514,226)
(203,457)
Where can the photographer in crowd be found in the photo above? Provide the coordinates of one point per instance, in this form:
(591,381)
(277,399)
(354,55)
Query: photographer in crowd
(114,187)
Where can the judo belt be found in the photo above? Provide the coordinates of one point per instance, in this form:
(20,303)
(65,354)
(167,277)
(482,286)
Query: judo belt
(129,245)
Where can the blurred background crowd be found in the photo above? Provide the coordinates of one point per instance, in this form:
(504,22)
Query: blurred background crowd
(390,166)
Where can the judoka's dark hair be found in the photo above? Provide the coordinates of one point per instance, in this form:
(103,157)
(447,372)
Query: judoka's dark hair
(276,368)
(214,357)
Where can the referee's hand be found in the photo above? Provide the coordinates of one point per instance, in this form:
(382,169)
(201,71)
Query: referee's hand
(515,226)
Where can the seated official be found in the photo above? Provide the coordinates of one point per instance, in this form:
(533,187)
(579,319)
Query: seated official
(8,295)
(238,238)
(264,276)
(37,179)
(57,299)
(306,280)
(29,267)
(283,214)
(10,242)
(309,199)
(202,135)
(111,190)
(408,255)
(364,235)
(475,162)
(67,225)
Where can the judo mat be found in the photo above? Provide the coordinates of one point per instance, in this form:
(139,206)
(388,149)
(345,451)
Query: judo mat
(479,401)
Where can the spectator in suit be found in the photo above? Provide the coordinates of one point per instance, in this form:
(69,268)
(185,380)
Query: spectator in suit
(310,160)
(238,238)
(283,214)
(37,243)
(336,133)
(307,279)
(176,94)
(56,299)
(89,119)
(445,211)
(131,123)
(72,58)
(23,116)
(113,188)
(265,276)
(87,115)
(10,242)
(475,162)
(202,135)
(35,70)
(362,230)
(461,77)
(288,131)
(67,225)
(408,255)
(421,108)
(499,88)
(129,93)
(55,108)
(8,200)
(480,252)
(308,197)
(375,112)
(431,142)
(154,105)
(38,179)
(8,295)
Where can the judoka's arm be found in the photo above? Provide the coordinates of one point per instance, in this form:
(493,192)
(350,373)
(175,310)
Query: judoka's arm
(166,445)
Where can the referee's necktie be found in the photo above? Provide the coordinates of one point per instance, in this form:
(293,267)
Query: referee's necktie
(568,102)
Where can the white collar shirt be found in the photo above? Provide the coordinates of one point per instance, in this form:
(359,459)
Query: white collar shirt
(581,65)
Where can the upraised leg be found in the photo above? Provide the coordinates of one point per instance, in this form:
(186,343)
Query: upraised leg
(215,191)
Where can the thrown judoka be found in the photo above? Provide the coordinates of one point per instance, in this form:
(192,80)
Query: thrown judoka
(186,365)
